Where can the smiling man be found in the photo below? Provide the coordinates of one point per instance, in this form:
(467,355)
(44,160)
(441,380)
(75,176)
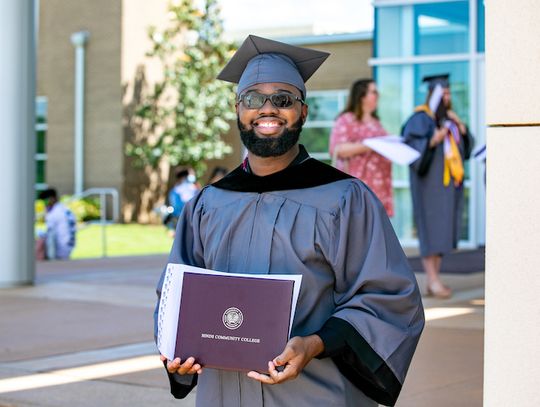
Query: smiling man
(359,314)
(271,134)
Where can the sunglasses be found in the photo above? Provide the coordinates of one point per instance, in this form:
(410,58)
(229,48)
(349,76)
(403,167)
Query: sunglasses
(281,100)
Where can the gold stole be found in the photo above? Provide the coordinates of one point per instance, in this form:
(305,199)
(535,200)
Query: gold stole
(453,165)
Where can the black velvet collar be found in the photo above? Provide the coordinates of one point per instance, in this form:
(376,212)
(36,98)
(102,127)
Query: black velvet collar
(304,172)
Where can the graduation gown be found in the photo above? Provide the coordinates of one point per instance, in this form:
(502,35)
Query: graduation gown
(437,208)
(358,292)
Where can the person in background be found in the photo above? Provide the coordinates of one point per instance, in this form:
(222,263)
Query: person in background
(359,314)
(356,123)
(61,224)
(185,188)
(444,143)
(217,174)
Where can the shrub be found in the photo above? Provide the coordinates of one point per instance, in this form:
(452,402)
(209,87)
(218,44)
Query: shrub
(85,209)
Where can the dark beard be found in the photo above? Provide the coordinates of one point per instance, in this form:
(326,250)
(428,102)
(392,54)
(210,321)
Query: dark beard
(270,147)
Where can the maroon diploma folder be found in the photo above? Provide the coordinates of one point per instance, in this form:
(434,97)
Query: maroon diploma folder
(231,322)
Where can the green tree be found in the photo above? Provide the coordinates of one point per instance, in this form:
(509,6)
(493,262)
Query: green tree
(184,116)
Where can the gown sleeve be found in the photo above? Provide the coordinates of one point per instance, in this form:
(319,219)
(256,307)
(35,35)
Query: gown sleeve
(378,319)
(468,144)
(417,133)
(186,249)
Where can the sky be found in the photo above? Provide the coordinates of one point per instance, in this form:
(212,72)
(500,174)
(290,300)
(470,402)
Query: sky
(324,16)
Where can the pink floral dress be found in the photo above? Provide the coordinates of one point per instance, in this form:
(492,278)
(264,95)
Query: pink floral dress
(370,167)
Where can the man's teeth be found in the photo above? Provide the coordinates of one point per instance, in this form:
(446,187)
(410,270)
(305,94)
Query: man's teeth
(268,124)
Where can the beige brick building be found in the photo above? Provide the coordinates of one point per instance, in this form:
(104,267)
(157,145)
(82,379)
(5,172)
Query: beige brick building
(116,71)
(55,81)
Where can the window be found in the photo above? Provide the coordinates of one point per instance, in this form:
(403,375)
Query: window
(41,138)
(481,26)
(390,25)
(441,28)
(423,29)
(324,106)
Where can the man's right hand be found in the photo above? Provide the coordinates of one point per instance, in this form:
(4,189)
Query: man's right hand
(188,367)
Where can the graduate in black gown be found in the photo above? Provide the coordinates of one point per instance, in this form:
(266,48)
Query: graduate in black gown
(359,313)
(444,143)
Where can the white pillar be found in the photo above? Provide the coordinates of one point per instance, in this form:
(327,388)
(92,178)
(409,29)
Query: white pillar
(17,140)
(512,323)
(79,40)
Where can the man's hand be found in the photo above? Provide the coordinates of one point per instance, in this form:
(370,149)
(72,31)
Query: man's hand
(188,367)
(296,355)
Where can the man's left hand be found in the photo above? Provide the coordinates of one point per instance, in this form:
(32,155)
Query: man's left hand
(296,355)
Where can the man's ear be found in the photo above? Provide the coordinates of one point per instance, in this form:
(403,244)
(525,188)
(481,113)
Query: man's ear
(304,113)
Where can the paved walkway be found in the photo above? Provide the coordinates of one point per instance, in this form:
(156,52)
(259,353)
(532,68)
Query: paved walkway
(82,336)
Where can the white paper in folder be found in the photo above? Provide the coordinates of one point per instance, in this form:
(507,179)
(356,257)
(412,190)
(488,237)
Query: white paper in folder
(392,148)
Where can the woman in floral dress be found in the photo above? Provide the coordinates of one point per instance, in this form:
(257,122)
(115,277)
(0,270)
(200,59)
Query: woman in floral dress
(356,123)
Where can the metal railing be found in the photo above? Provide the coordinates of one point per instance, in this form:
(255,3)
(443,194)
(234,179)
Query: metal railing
(103,193)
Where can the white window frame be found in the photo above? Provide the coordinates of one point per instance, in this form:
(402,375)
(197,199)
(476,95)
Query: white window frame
(341,95)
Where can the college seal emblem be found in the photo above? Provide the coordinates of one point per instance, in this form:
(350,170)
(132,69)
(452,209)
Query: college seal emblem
(233,318)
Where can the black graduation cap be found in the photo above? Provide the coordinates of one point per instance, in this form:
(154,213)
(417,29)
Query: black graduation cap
(434,80)
(260,60)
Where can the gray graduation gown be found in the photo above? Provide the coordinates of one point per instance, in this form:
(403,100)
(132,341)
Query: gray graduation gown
(357,293)
(437,208)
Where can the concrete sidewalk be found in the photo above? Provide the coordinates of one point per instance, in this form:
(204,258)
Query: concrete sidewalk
(82,336)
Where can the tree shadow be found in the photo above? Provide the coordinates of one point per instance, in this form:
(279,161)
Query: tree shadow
(144,187)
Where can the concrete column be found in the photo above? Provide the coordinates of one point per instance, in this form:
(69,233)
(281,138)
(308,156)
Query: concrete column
(17,141)
(512,324)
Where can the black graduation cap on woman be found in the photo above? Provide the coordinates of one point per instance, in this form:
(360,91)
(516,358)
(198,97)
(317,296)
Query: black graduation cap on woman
(436,86)
(260,60)
(434,80)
